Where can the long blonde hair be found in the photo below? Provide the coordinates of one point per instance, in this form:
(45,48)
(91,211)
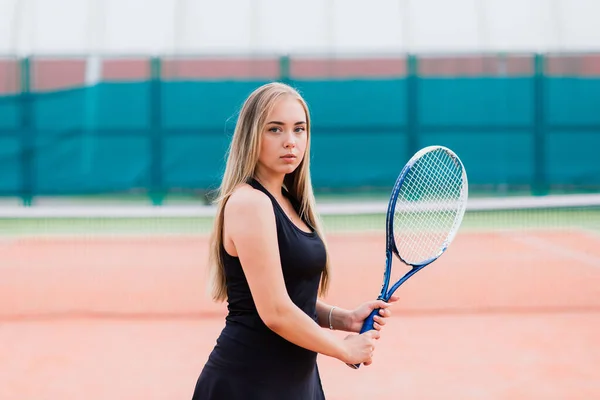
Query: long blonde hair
(241,164)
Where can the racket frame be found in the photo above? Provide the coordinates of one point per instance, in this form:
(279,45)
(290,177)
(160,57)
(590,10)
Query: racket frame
(391,248)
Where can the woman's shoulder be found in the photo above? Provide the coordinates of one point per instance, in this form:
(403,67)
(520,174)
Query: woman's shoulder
(245,200)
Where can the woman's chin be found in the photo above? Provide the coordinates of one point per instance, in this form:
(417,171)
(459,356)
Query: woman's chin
(286,169)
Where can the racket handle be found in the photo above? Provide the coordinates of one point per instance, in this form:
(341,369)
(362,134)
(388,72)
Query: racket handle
(367,326)
(369,322)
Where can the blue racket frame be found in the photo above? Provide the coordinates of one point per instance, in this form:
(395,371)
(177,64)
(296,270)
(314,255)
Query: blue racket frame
(392,250)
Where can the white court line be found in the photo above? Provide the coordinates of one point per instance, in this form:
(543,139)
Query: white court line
(552,248)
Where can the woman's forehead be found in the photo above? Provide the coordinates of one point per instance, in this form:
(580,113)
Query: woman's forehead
(288,108)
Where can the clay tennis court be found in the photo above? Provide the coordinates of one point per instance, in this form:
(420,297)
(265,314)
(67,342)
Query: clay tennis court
(502,315)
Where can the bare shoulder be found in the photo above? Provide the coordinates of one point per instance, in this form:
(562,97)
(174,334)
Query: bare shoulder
(247,205)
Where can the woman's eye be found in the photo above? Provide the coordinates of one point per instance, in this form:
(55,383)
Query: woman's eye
(274,129)
(300,129)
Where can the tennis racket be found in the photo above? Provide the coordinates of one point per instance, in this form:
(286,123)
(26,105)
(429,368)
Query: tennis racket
(425,210)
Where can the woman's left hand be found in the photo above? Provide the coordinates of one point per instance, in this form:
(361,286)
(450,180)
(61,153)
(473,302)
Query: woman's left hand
(357,316)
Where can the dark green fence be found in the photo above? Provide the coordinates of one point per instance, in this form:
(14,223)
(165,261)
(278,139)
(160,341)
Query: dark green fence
(530,130)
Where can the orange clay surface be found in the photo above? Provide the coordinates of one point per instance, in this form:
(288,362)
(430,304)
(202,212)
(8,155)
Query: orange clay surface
(499,316)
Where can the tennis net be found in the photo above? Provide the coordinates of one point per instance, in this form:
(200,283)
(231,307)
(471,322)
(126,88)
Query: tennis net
(544,212)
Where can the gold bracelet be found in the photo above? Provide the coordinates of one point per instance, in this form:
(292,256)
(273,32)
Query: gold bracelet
(330,312)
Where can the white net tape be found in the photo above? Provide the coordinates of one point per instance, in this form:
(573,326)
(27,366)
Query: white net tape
(430,206)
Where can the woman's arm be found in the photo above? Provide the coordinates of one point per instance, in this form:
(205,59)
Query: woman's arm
(339,316)
(250,225)
(352,320)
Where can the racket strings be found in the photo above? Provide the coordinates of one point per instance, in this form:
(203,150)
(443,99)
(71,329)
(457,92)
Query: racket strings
(443,206)
(429,206)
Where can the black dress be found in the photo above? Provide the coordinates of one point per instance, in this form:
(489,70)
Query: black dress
(250,361)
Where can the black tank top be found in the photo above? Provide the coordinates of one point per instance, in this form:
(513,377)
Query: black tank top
(246,343)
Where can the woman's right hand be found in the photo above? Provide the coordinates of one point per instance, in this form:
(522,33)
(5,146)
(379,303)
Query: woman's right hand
(359,348)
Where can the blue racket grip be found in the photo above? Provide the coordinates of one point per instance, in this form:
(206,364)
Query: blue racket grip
(367,326)
(369,322)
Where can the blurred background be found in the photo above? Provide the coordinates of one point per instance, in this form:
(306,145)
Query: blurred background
(115,117)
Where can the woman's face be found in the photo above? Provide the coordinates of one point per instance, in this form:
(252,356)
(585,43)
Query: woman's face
(284,138)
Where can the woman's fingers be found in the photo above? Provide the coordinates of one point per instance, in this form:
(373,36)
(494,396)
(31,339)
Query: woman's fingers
(385,312)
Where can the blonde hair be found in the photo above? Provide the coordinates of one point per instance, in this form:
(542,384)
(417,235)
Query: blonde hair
(241,164)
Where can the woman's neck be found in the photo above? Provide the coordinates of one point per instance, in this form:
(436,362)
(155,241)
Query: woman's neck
(272,184)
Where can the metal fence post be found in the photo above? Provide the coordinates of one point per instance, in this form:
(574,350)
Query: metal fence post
(27,134)
(157,190)
(412,105)
(539,142)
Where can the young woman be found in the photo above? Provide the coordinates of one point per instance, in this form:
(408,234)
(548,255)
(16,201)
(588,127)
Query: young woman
(269,261)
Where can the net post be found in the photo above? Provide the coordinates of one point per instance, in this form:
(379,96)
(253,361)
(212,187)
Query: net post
(156,191)
(27,134)
(412,105)
(539,143)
